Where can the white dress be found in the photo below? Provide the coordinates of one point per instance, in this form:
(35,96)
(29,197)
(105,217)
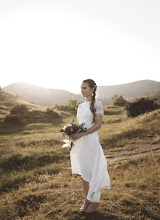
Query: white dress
(87,157)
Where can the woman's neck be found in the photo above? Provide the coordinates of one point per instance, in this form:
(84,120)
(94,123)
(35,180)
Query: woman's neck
(88,99)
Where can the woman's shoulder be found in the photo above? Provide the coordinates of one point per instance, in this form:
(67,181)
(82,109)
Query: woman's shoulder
(80,105)
(97,103)
(99,107)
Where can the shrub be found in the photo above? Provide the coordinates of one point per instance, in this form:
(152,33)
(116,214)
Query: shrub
(35,114)
(20,114)
(118,100)
(19,110)
(73,103)
(63,108)
(141,106)
(49,112)
(42,115)
(17,115)
(13,119)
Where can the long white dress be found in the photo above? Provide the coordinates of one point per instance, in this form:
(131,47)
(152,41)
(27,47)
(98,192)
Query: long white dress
(87,157)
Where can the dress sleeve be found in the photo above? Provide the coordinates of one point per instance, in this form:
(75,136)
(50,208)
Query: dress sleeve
(99,108)
(79,106)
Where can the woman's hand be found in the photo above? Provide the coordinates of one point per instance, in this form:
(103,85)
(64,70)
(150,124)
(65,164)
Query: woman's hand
(75,136)
(95,127)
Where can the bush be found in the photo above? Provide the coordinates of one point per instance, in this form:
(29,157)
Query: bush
(19,110)
(13,119)
(73,103)
(141,106)
(50,113)
(35,114)
(20,114)
(119,100)
(63,108)
(42,115)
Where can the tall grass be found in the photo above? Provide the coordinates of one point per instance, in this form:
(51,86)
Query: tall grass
(128,131)
(36,180)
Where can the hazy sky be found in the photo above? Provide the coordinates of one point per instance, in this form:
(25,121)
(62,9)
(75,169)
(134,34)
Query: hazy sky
(58,43)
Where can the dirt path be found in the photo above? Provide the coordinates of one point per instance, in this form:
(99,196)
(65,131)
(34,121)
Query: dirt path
(156,149)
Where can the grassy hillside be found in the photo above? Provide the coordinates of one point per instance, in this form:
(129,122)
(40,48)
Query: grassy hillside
(9,100)
(36,180)
(42,96)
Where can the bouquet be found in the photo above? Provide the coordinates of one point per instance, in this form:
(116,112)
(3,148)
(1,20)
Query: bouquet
(70,129)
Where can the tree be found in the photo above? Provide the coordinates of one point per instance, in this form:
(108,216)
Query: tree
(118,100)
(73,103)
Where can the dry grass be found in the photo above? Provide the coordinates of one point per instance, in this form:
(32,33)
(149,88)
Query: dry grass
(36,180)
(9,100)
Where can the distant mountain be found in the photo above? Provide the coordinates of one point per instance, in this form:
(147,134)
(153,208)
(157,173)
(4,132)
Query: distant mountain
(50,97)
(42,96)
(129,90)
(154,94)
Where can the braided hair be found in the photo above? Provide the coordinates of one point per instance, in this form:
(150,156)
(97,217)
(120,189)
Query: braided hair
(92,84)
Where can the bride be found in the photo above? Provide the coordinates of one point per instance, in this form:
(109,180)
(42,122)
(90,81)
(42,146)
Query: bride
(87,156)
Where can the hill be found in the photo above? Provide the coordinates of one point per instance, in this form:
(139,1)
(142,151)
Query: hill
(154,94)
(49,97)
(8,100)
(129,90)
(42,96)
(36,181)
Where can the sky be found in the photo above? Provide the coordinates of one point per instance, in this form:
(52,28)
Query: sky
(59,43)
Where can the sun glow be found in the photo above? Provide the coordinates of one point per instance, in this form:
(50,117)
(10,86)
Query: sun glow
(57,46)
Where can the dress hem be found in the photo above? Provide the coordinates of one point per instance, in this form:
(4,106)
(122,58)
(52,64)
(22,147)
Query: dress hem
(82,177)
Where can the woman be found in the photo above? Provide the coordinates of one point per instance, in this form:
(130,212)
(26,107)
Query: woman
(87,157)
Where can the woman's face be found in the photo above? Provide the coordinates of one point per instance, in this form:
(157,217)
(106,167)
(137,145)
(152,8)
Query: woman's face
(86,90)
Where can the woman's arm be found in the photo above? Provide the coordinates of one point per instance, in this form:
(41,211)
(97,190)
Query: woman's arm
(95,127)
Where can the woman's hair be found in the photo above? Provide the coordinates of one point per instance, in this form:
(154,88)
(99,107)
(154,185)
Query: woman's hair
(92,84)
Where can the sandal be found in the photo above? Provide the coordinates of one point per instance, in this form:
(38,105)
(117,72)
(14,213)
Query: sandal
(92,207)
(85,205)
